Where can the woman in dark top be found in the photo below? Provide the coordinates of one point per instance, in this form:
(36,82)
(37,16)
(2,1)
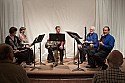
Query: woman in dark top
(20,53)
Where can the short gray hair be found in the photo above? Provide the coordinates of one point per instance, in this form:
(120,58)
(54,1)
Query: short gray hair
(92,27)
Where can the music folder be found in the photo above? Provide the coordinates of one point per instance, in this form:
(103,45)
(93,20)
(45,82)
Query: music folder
(72,34)
(75,36)
(38,39)
(56,37)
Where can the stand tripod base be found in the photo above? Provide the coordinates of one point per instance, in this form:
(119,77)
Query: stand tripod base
(78,69)
(41,63)
(75,63)
(35,68)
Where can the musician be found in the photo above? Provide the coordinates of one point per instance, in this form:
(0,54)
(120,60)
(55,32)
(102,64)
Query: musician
(91,43)
(60,48)
(106,44)
(20,53)
(22,35)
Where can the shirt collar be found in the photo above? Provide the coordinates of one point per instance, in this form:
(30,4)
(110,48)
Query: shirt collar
(114,69)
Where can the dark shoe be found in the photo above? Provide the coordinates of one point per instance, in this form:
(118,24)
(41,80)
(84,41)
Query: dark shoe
(61,63)
(80,62)
(90,66)
(104,67)
(29,63)
(55,64)
(50,61)
(77,63)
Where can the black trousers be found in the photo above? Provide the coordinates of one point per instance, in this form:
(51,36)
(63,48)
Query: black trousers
(90,54)
(97,57)
(89,51)
(83,52)
(100,57)
(26,56)
(50,53)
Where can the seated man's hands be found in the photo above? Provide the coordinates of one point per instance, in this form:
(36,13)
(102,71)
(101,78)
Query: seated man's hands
(30,44)
(16,51)
(85,42)
(58,42)
(101,43)
(91,45)
(61,47)
(79,46)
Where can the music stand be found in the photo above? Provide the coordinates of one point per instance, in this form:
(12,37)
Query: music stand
(56,37)
(76,37)
(38,40)
(72,35)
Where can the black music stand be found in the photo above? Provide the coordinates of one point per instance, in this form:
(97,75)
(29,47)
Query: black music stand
(76,37)
(38,40)
(56,37)
(72,35)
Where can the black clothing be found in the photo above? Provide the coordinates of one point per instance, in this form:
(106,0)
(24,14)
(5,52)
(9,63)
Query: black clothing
(26,55)
(50,53)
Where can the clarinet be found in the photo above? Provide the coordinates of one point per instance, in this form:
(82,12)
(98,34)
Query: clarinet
(85,34)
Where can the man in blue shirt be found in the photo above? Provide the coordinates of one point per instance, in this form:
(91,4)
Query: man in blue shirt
(106,44)
(91,43)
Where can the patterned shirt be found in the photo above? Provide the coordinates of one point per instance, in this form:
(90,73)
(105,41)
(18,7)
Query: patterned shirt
(111,75)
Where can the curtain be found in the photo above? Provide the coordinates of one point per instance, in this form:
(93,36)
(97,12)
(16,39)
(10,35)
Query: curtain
(41,17)
(112,13)
(11,14)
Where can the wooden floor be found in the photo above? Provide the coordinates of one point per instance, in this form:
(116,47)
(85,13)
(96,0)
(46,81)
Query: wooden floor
(63,73)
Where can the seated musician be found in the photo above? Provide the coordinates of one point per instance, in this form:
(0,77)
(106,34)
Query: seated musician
(25,42)
(22,35)
(60,48)
(22,54)
(106,45)
(91,43)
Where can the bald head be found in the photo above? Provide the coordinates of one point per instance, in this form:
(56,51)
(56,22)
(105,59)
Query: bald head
(6,52)
(115,58)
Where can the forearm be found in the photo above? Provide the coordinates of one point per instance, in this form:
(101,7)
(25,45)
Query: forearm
(62,43)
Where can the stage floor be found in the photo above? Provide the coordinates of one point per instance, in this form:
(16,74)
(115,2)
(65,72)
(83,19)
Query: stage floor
(61,71)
